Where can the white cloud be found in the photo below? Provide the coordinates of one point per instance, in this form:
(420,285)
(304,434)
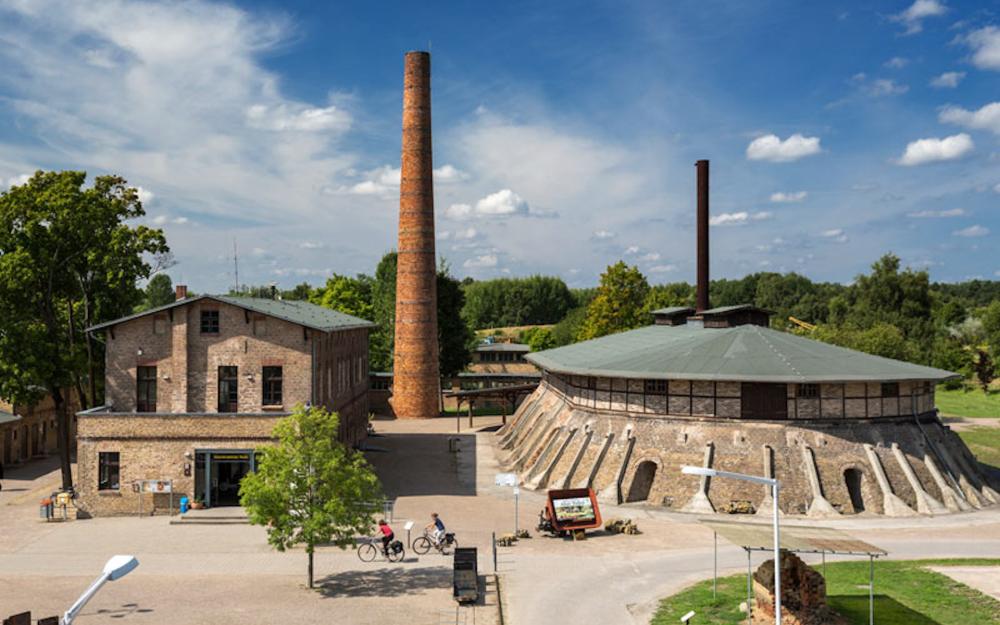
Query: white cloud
(925,214)
(662,268)
(912,18)
(311,245)
(934,150)
(466,234)
(145,196)
(650,257)
(603,235)
(634,249)
(297,118)
(986,118)
(835,234)
(896,62)
(885,86)
(162,220)
(781,197)
(985,45)
(947,80)
(484,261)
(449,173)
(972,231)
(997,188)
(772,148)
(741,217)
(501,204)
(458,211)
(16,181)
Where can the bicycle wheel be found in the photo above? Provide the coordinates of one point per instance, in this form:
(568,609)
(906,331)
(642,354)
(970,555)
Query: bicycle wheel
(421,545)
(367,552)
(396,556)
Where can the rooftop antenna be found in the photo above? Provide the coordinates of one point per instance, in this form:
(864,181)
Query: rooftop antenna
(236,267)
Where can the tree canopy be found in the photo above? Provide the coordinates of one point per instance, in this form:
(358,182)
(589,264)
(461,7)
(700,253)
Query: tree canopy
(310,489)
(620,303)
(68,259)
(506,302)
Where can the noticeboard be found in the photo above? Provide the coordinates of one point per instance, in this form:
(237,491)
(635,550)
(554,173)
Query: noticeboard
(157,486)
(573,509)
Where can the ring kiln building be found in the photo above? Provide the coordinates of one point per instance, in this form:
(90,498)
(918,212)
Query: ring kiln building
(844,432)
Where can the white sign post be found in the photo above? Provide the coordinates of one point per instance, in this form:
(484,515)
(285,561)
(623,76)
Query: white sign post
(510,479)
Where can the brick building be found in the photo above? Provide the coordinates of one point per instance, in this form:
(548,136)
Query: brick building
(844,432)
(28,432)
(195,387)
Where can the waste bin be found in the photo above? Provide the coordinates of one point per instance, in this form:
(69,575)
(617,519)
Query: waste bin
(184,505)
(466,575)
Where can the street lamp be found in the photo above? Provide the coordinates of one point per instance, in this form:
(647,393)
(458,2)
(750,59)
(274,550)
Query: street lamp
(115,568)
(756,479)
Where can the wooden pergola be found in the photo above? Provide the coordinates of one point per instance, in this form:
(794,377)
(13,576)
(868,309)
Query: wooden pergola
(506,394)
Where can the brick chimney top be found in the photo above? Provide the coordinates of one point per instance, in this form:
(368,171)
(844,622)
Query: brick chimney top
(182,291)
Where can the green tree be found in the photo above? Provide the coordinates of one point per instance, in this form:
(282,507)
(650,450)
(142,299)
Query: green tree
(310,489)
(455,339)
(300,292)
(352,296)
(68,259)
(619,304)
(159,292)
(384,311)
(882,339)
(568,328)
(538,338)
(516,301)
(971,335)
(669,295)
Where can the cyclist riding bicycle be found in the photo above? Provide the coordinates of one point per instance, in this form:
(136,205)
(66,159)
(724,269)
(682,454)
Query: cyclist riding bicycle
(435,528)
(387,535)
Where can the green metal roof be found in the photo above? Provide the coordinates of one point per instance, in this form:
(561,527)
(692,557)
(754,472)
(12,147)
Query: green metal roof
(672,310)
(721,310)
(293,311)
(6,417)
(503,347)
(746,352)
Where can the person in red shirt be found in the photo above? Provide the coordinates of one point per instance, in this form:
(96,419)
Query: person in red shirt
(387,535)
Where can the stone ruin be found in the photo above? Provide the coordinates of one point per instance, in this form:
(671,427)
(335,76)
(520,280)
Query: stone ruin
(803,594)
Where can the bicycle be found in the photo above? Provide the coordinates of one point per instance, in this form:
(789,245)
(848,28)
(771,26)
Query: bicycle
(445,546)
(368,551)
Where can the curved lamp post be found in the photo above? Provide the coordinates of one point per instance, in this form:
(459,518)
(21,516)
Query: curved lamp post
(115,568)
(773,483)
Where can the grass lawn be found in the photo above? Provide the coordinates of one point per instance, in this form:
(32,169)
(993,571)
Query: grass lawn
(968,403)
(984,442)
(905,594)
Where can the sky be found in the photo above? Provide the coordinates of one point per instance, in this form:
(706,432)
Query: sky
(565,134)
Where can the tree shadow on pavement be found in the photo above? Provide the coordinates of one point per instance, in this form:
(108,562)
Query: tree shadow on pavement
(386,582)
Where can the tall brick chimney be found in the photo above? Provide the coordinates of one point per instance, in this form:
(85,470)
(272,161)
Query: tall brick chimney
(416,381)
(181,291)
(701,296)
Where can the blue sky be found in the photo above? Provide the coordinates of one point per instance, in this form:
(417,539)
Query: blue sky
(565,134)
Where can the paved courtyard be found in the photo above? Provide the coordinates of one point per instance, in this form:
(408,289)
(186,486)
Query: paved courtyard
(200,573)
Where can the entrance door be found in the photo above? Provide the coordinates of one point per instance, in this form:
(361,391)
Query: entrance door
(218,473)
(764,401)
(642,482)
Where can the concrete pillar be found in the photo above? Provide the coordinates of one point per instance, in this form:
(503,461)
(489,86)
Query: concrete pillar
(892,505)
(972,495)
(588,482)
(766,507)
(542,458)
(926,504)
(584,445)
(612,493)
(952,499)
(700,502)
(819,506)
(416,381)
(542,479)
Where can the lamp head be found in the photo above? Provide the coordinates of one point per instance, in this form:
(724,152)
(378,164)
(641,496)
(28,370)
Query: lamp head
(119,566)
(704,471)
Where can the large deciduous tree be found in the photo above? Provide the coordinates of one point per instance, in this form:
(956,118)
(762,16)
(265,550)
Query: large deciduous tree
(620,302)
(310,489)
(159,292)
(68,259)
(455,339)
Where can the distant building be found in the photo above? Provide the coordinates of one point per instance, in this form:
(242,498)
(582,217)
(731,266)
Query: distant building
(194,388)
(501,358)
(28,432)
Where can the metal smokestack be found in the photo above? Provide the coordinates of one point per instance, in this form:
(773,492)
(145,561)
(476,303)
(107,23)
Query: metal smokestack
(416,383)
(701,298)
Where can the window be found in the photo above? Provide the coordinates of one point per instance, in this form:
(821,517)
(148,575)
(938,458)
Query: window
(145,389)
(107,470)
(808,391)
(159,324)
(209,322)
(228,389)
(272,386)
(890,389)
(656,386)
(260,326)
